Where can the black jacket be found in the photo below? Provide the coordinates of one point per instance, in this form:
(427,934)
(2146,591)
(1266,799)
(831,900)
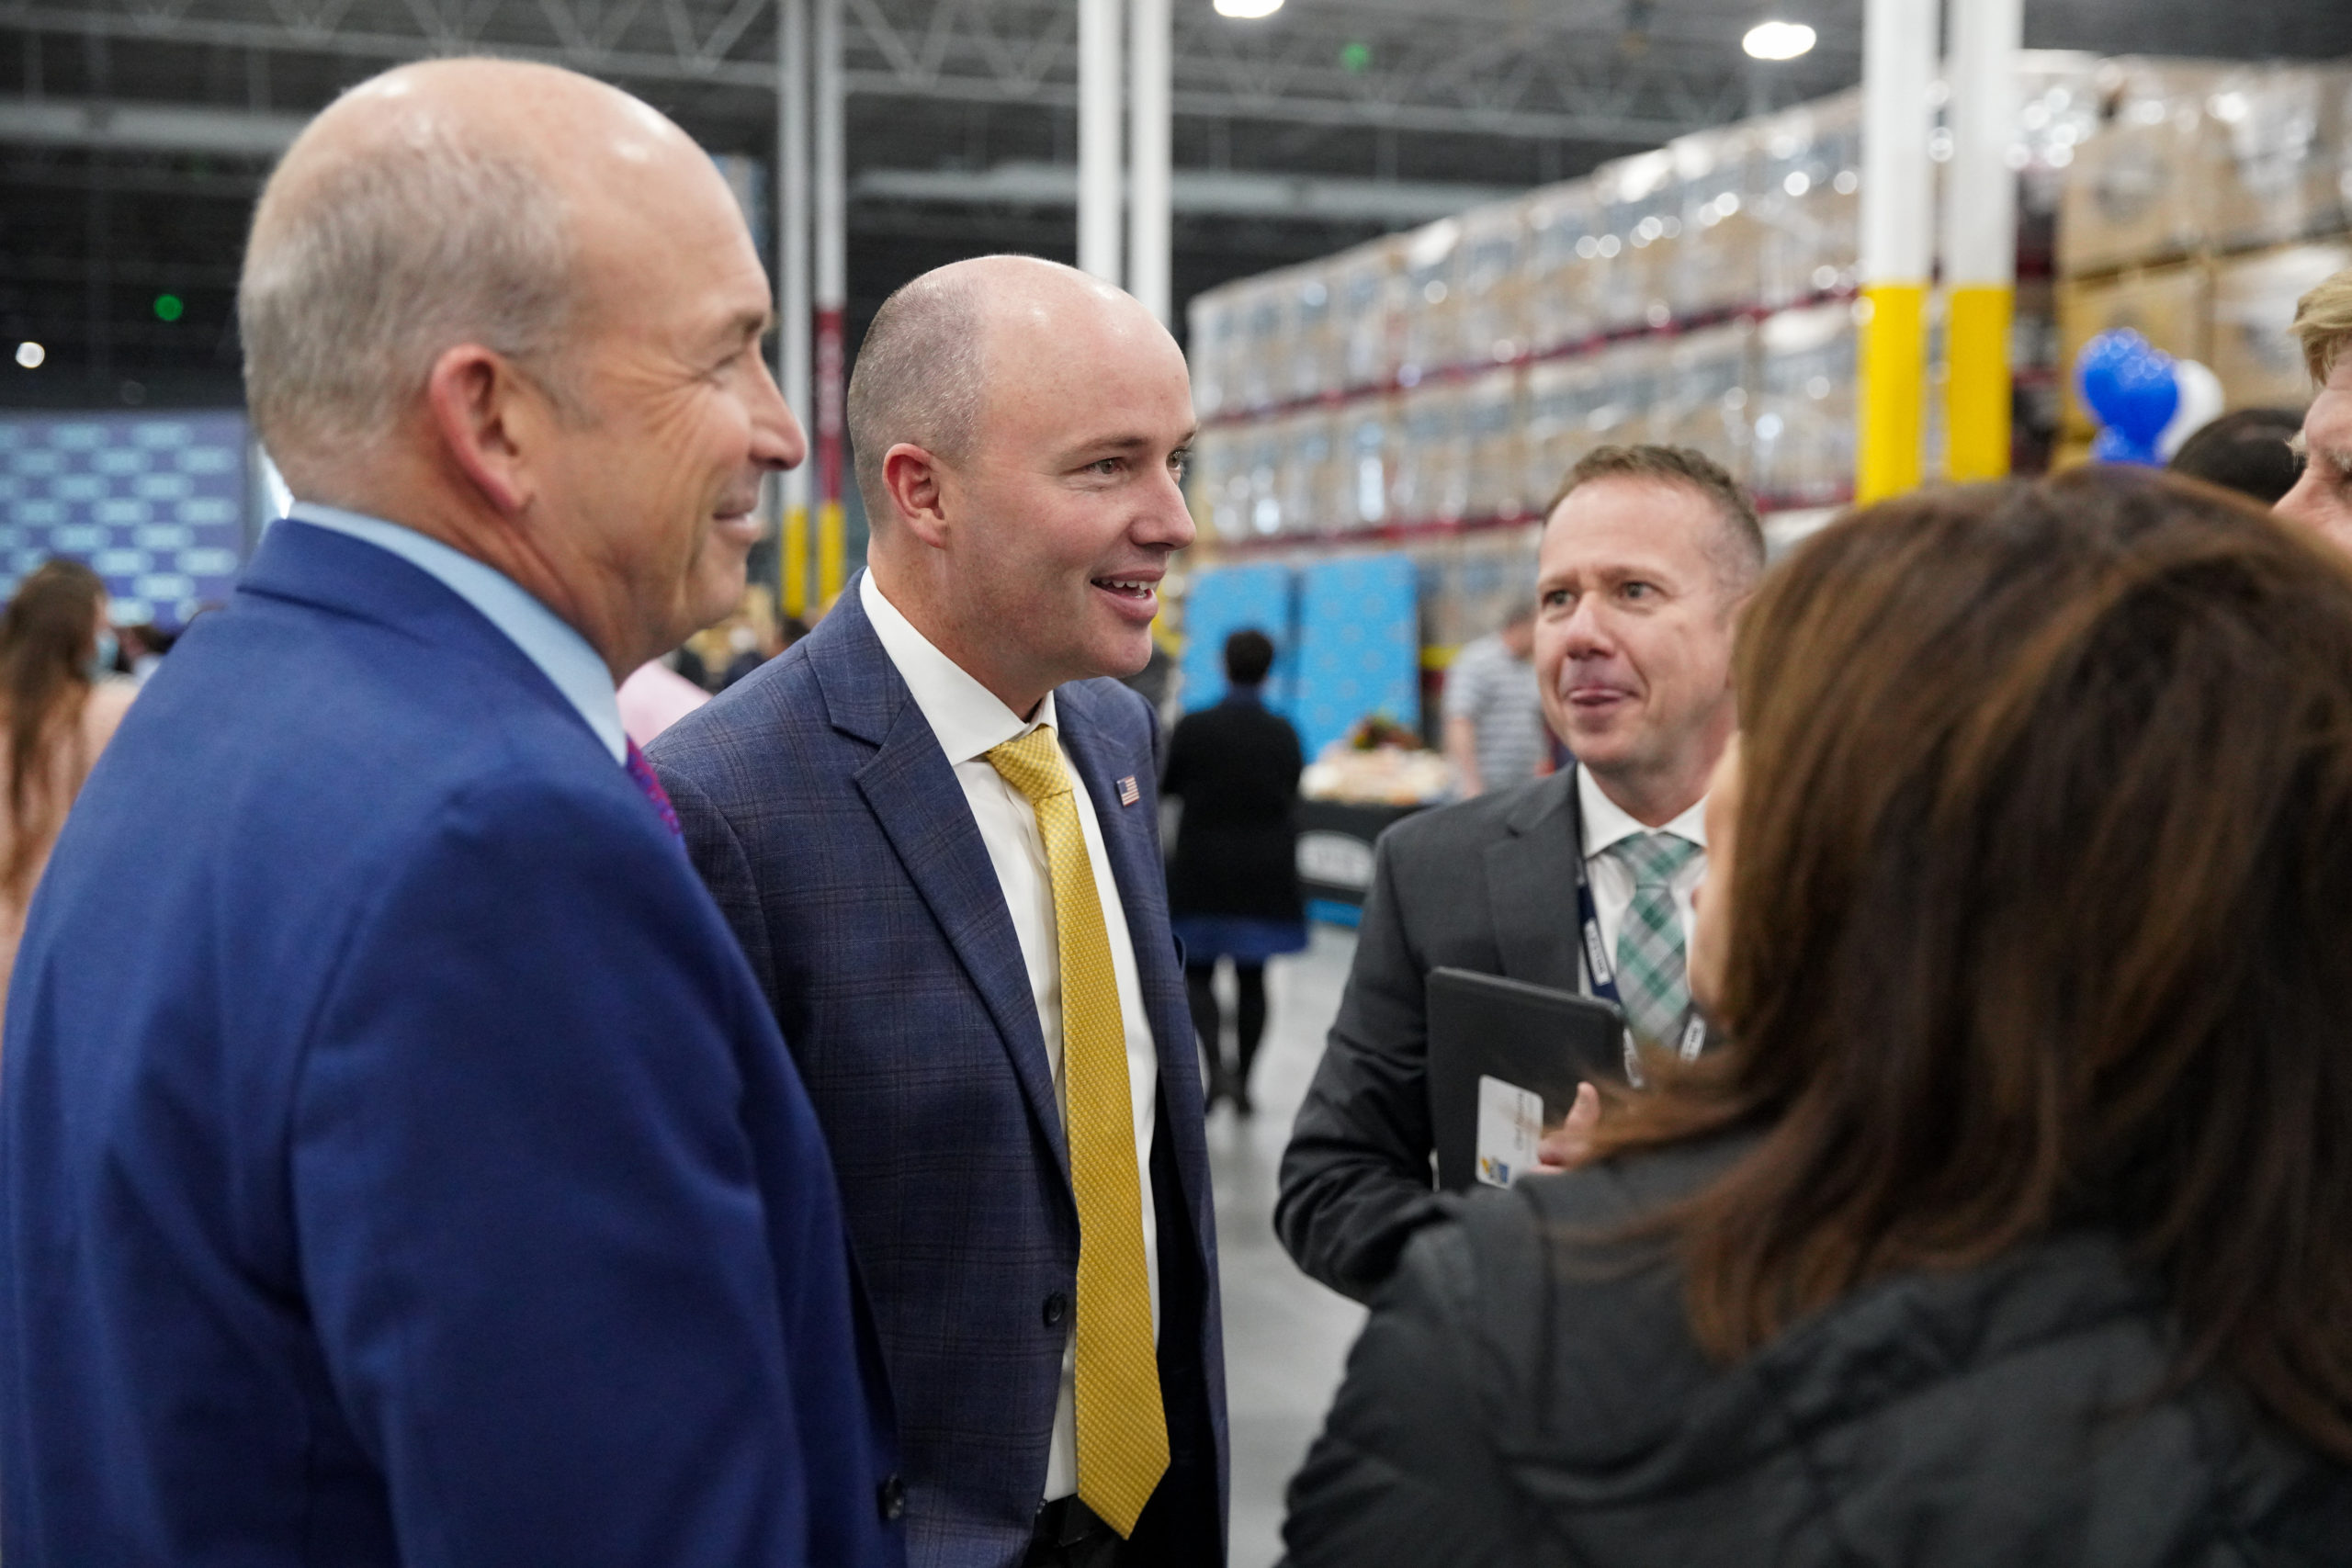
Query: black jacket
(1236,766)
(1488,885)
(1522,1398)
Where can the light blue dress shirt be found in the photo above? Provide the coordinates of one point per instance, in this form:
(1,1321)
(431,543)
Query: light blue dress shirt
(562,655)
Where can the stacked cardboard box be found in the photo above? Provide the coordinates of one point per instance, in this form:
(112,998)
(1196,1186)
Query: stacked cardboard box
(1701,294)
(2208,199)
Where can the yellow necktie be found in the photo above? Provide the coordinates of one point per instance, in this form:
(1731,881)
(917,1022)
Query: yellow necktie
(1122,1429)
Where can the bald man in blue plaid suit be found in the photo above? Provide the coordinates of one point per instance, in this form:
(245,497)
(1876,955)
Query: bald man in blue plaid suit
(849,807)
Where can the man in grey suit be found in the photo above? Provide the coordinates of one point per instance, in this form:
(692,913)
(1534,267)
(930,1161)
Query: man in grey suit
(1648,554)
(933,827)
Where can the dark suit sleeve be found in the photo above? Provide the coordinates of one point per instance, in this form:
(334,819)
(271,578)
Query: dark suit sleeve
(531,1214)
(1406,1472)
(1355,1180)
(725,870)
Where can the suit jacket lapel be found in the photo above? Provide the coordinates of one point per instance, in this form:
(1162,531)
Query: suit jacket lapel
(914,796)
(1532,888)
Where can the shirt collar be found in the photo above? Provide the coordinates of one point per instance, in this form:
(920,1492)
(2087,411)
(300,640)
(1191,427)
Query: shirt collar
(1607,823)
(969,719)
(562,654)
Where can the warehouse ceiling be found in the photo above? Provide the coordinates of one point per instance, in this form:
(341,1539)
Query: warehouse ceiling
(133,133)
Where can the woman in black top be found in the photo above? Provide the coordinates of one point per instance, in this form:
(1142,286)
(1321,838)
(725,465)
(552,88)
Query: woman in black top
(2008,1226)
(1233,889)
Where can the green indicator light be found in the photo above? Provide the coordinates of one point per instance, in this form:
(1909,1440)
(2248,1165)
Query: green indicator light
(168,308)
(1356,57)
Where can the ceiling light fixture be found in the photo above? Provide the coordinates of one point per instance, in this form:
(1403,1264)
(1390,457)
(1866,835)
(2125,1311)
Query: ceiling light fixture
(1777,41)
(1247,10)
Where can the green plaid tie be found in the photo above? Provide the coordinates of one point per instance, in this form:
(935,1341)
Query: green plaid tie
(1651,980)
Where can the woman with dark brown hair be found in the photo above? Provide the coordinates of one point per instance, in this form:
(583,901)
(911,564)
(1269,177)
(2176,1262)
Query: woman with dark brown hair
(2014,1224)
(56,715)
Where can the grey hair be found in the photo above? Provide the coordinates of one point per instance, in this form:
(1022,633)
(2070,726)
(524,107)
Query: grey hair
(357,281)
(919,379)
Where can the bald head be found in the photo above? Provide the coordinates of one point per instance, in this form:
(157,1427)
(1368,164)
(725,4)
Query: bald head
(449,202)
(945,346)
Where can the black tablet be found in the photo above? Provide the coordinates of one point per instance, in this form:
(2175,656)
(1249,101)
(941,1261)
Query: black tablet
(1505,1061)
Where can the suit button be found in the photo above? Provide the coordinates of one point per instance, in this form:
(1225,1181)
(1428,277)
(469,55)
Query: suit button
(890,1497)
(1057,1310)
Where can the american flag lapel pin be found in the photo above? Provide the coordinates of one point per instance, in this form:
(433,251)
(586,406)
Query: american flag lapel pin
(1128,793)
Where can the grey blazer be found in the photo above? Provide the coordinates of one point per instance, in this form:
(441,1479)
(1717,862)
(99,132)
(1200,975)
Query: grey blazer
(1488,885)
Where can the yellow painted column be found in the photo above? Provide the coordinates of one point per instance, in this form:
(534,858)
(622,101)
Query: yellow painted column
(1981,234)
(1894,401)
(1976,339)
(794,546)
(832,549)
(1899,43)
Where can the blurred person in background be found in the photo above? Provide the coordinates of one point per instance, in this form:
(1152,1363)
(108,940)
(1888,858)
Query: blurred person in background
(61,711)
(654,698)
(718,656)
(1233,891)
(397,1161)
(141,649)
(1648,554)
(2322,498)
(2251,451)
(2005,1227)
(1494,714)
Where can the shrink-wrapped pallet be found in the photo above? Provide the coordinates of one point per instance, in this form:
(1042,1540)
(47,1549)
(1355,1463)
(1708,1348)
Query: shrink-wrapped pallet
(2280,130)
(1309,484)
(1262,449)
(1479,580)
(1493,426)
(1802,451)
(1641,205)
(1632,380)
(1261,361)
(1808,194)
(1561,397)
(1705,392)
(2139,190)
(1313,343)
(2145,185)
(1430,312)
(1564,229)
(2259,362)
(1366,286)
(1491,274)
(1713,265)
(1366,441)
(1432,481)
(1210,326)
(1219,511)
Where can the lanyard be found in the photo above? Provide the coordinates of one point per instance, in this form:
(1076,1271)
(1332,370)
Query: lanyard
(1603,973)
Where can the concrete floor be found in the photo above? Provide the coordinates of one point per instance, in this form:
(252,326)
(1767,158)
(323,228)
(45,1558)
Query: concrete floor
(1286,1337)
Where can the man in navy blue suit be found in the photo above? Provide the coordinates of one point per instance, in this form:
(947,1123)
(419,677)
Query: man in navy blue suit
(399,1164)
(933,823)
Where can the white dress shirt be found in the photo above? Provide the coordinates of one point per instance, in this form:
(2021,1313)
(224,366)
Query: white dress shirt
(564,656)
(969,720)
(1607,823)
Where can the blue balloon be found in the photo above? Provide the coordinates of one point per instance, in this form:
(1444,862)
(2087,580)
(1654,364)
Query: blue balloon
(2130,385)
(2113,447)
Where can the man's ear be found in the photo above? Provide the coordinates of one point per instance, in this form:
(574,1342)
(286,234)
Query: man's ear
(491,421)
(916,483)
